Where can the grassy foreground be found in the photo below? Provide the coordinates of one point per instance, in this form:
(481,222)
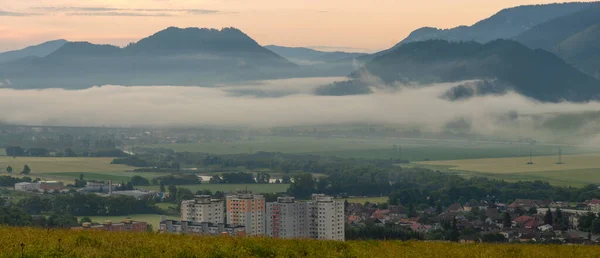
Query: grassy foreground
(28,242)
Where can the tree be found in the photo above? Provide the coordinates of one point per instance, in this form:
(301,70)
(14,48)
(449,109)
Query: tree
(81,177)
(506,220)
(277,181)
(70,153)
(548,218)
(138,180)
(162,187)
(285,179)
(15,151)
(26,170)
(9,169)
(532,211)
(172,192)
(303,186)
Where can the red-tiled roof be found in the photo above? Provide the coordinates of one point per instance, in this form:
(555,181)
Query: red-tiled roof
(522,219)
(531,223)
(595,201)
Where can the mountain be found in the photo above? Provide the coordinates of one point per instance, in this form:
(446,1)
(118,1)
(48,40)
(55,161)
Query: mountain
(574,37)
(173,56)
(505,24)
(307,55)
(40,50)
(501,65)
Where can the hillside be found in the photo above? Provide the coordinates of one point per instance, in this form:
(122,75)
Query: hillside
(173,56)
(28,242)
(306,54)
(40,50)
(505,24)
(574,37)
(503,64)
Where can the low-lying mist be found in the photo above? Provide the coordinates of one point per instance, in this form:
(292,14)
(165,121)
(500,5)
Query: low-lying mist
(289,102)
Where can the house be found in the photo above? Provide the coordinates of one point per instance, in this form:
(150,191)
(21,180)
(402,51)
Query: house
(530,224)
(594,206)
(354,220)
(382,215)
(456,207)
(397,212)
(545,228)
(523,204)
(520,221)
(124,226)
(418,227)
(475,205)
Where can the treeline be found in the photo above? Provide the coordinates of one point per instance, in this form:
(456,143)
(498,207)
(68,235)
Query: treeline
(419,186)
(9,181)
(17,151)
(78,204)
(14,216)
(415,186)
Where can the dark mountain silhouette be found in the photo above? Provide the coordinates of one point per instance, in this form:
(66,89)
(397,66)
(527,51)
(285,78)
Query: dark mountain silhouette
(300,54)
(40,50)
(501,64)
(575,38)
(173,56)
(505,24)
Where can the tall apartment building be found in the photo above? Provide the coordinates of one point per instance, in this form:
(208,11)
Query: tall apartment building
(328,218)
(320,218)
(287,218)
(247,209)
(202,209)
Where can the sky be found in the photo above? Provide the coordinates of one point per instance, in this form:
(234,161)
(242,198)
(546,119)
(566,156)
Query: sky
(349,25)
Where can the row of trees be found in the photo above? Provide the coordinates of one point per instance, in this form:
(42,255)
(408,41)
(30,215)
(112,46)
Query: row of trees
(79,204)
(14,216)
(26,170)
(17,151)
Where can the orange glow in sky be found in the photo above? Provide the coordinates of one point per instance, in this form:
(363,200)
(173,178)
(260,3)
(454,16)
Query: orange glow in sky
(352,25)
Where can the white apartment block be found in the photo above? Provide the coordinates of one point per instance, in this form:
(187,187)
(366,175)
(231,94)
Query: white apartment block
(287,218)
(203,209)
(320,218)
(248,210)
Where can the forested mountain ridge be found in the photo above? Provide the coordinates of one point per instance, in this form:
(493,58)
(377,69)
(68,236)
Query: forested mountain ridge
(308,54)
(505,24)
(172,56)
(537,74)
(575,38)
(40,50)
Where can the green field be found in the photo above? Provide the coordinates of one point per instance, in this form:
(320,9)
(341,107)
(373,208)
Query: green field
(379,148)
(576,170)
(363,200)
(153,219)
(52,164)
(227,188)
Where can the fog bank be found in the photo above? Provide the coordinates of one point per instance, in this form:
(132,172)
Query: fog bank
(276,103)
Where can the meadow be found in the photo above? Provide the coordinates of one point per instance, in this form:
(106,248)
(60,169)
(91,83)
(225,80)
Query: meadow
(256,188)
(363,200)
(31,242)
(575,170)
(379,148)
(61,164)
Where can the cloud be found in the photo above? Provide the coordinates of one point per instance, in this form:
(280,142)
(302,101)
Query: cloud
(16,14)
(110,11)
(287,103)
(120,14)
